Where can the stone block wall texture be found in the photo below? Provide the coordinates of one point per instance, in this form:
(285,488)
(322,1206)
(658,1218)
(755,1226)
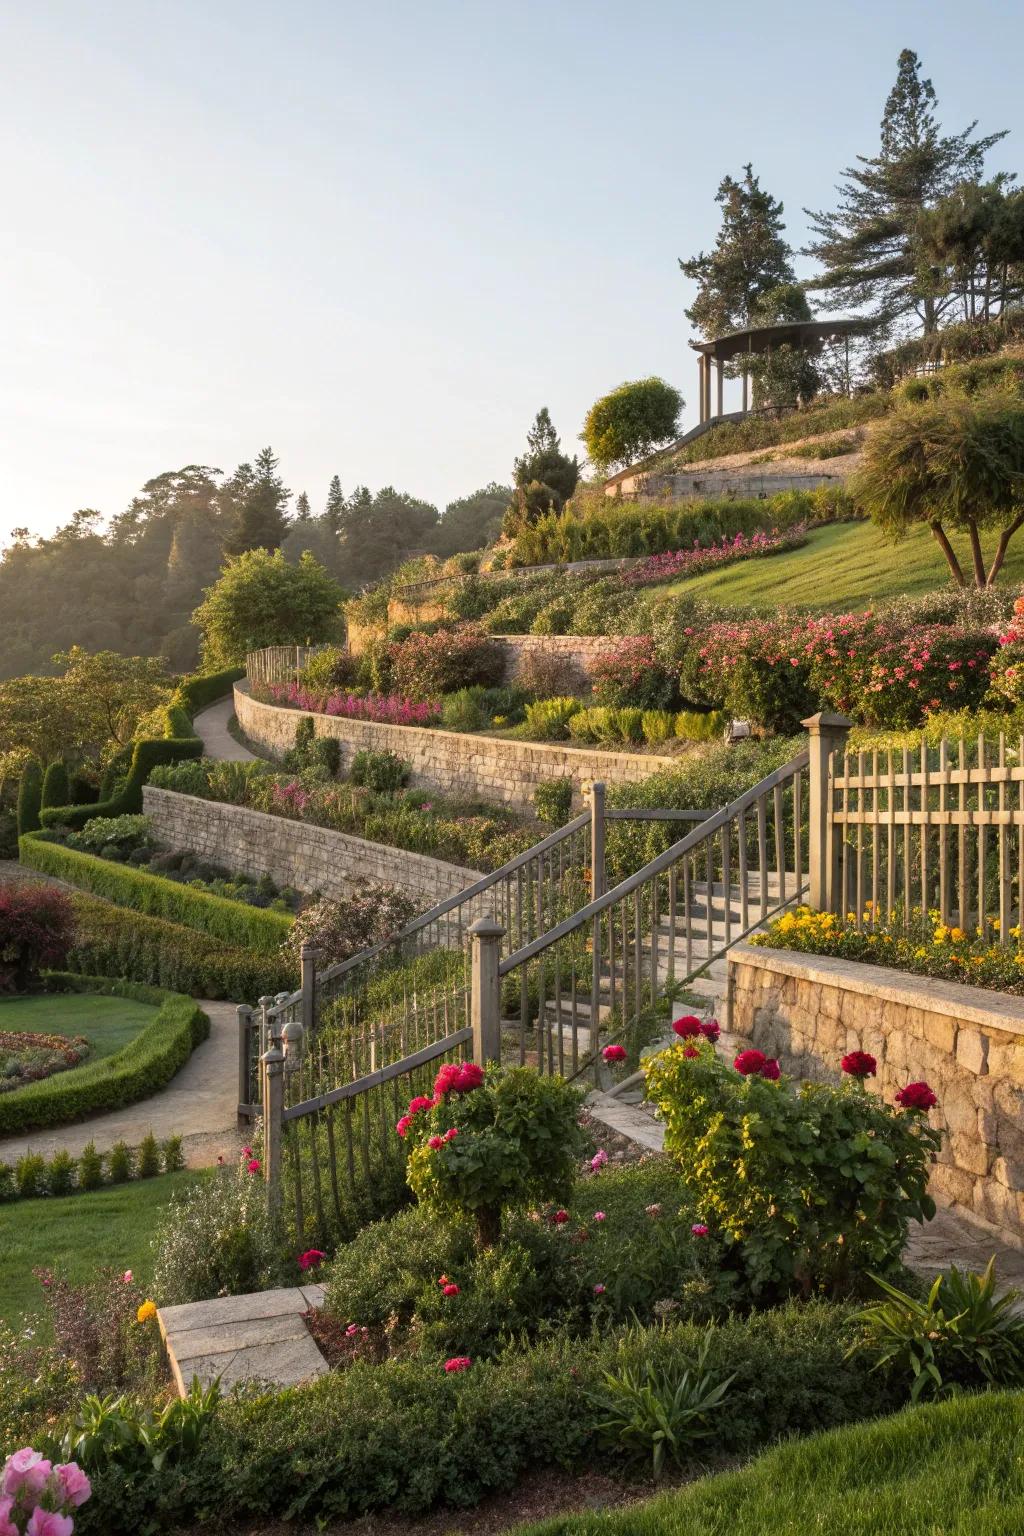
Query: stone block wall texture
(486,767)
(577,652)
(295,853)
(965,1042)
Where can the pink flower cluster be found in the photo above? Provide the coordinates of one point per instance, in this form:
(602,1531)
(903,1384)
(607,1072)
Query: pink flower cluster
(454,1078)
(691,562)
(36,1497)
(382,708)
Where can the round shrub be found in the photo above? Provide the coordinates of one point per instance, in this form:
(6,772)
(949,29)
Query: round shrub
(426,666)
(633,676)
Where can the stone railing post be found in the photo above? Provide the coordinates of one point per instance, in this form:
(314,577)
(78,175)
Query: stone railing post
(245,1084)
(827,735)
(485,989)
(272,1062)
(307,961)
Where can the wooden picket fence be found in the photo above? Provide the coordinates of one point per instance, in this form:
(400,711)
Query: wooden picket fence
(278,663)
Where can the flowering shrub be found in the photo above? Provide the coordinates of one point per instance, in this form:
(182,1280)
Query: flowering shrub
(699,558)
(751,667)
(384,709)
(632,674)
(793,1179)
(339,929)
(217,1239)
(1007,668)
(925,946)
(36,930)
(428,666)
(483,1145)
(28,1058)
(37,1497)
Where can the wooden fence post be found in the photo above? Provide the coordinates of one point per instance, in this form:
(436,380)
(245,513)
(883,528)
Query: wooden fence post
(596,797)
(272,1062)
(307,962)
(828,735)
(485,989)
(245,1086)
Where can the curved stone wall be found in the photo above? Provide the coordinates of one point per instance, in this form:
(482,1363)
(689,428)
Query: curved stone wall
(482,767)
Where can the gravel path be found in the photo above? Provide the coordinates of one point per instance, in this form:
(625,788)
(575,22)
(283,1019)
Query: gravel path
(198,1104)
(211,726)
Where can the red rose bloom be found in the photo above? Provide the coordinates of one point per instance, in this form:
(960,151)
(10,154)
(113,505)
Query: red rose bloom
(916,1096)
(748,1063)
(859,1064)
(403,1125)
(560,1218)
(311,1258)
(421,1102)
(451,1289)
(711,1030)
(691,1050)
(435,1142)
(470,1076)
(770,1070)
(614,1053)
(687,1027)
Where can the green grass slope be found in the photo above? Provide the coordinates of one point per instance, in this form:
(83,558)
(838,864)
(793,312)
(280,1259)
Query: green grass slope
(844,565)
(108,1023)
(953,1469)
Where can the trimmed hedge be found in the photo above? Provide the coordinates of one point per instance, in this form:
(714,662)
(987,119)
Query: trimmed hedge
(407,1435)
(143,1067)
(234,922)
(114,941)
(178,742)
(30,795)
(56,786)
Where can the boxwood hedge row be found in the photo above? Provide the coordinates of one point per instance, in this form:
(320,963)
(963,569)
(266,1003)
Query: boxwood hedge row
(231,921)
(114,941)
(144,1066)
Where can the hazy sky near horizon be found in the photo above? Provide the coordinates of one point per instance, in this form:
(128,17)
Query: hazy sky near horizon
(380,237)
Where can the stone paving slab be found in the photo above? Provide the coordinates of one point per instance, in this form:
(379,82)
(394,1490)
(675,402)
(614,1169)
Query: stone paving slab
(259,1337)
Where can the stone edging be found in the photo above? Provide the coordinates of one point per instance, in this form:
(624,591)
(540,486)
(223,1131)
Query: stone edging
(976,1005)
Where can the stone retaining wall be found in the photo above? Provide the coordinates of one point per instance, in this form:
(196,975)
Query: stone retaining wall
(295,853)
(484,767)
(965,1042)
(578,652)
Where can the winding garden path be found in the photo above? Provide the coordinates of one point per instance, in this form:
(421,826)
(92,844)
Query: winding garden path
(199,1104)
(211,726)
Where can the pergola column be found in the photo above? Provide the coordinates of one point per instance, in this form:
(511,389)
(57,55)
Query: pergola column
(720,369)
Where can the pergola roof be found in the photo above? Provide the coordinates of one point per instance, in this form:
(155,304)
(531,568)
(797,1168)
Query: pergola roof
(797,333)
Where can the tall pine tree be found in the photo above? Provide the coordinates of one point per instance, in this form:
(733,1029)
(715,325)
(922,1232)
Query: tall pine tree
(750,258)
(872,248)
(260,499)
(334,509)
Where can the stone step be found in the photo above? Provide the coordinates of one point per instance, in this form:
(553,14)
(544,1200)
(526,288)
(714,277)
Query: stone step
(259,1337)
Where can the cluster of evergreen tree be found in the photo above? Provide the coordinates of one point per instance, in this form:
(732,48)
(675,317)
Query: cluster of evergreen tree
(918,239)
(131,584)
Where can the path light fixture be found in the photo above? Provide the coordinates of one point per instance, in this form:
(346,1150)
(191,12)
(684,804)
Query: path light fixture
(291,1038)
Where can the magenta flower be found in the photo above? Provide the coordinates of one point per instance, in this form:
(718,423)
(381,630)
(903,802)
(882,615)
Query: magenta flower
(253,1165)
(434,1142)
(457,1363)
(451,1289)
(599,1290)
(599,1159)
(311,1258)
(600,1216)
(699,1229)
(614,1053)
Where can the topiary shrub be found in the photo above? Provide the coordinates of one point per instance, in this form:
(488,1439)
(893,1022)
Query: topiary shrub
(30,796)
(487,1144)
(806,1187)
(56,786)
(36,931)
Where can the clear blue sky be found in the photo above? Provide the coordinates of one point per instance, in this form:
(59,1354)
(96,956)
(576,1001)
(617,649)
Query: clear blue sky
(379,237)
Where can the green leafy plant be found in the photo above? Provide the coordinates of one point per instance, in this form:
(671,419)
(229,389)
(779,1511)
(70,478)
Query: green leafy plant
(90,1167)
(660,1412)
(548,719)
(119,1431)
(552,800)
(961,1335)
(382,772)
(120,1163)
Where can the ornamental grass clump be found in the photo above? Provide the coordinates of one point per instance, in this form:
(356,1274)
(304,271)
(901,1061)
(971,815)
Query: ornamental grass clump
(806,1187)
(487,1144)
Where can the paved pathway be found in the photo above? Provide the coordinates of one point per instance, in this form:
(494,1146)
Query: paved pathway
(211,726)
(259,1337)
(199,1104)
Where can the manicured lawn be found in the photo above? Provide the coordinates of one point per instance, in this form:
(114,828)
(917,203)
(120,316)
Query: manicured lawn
(955,1469)
(108,1023)
(80,1234)
(843,565)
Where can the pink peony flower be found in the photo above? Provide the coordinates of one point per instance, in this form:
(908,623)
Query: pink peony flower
(434,1142)
(614,1053)
(26,1472)
(247,1151)
(419,1103)
(311,1258)
(72,1483)
(253,1165)
(352,1328)
(7,1525)
(687,1026)
(451,1289)
(458,1363)
(403,1125)
(599,1159)
(699,1229)
(600,1216)
(451,1135)
(44,1522)
(599,1290)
